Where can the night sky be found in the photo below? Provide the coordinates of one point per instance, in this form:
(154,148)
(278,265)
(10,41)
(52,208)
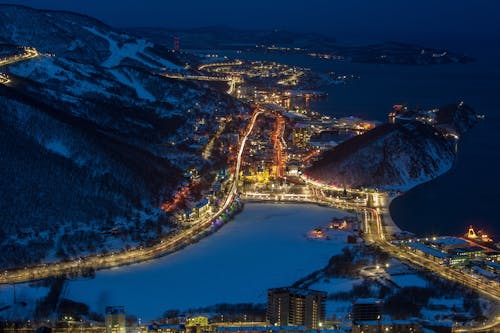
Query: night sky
(429,21)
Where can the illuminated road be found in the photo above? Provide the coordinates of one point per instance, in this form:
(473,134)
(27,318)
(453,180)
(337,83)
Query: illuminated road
(485,288)
(197,77)
(165,246)
(374,233)
(4,78)
(220,64)
(232,80)
(374,230)
(492,323)
(29,53)
(279,145)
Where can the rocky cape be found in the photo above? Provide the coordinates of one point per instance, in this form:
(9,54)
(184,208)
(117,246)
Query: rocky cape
(396,156)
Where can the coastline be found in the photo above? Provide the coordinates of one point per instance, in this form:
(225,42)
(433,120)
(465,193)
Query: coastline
(262,235)
(388,221)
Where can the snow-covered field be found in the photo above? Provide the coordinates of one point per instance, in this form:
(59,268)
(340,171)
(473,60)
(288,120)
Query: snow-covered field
(409,280)
(25,296)
(335,285)
(264,247)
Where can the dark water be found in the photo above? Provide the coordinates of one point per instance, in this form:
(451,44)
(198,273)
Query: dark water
(467,194)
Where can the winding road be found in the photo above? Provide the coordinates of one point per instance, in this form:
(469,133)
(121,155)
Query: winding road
(125,257)
(29,53)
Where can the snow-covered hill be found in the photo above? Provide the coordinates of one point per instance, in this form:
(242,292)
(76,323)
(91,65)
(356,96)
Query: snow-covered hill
(92,139)
(78,37)
(395,156)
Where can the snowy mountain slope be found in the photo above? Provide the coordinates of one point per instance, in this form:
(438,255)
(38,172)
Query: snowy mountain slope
(78,37)
(86,137)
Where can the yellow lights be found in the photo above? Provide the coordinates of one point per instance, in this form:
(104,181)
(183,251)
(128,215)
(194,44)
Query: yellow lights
(197,321)
(4,79)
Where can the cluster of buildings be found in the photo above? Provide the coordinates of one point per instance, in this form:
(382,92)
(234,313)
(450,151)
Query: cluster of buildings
(209,201)
(442,118)
(311,133)
(257,80)
(257,70)
(367,317)
(453,251)
(401,113)
(289,310)
(471,251)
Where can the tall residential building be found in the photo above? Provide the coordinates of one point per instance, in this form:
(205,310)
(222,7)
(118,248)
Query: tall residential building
(115,319)
(294,306)
(366,309)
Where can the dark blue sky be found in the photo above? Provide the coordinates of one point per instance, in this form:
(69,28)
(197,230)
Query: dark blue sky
(359,20)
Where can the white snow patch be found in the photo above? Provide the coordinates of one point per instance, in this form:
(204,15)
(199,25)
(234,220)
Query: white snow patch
(40,65)
(447,303)
(75,44)
(58,147)
(237,264)
(409,280)
(130,50)
(26,297)
(335,285)
(128,80)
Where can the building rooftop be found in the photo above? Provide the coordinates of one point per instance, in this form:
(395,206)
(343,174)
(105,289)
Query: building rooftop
(368,301)
(298,291)
(493,265)
(202,203)
(386,321)
(448,241)
(260,328)
(115,309)
(427,249)
(156,327)
(464,250)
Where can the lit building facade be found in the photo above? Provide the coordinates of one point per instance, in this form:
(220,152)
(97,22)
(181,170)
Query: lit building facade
(293,306)
(115,319)
(366,309)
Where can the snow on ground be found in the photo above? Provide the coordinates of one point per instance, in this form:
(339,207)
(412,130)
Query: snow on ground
(432,314)
(335,285)
(58,147)
(128,80)
(409,280)
(26,296)
(45,69)
(130,50)
(448,303)
(264,247)
(338,310)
